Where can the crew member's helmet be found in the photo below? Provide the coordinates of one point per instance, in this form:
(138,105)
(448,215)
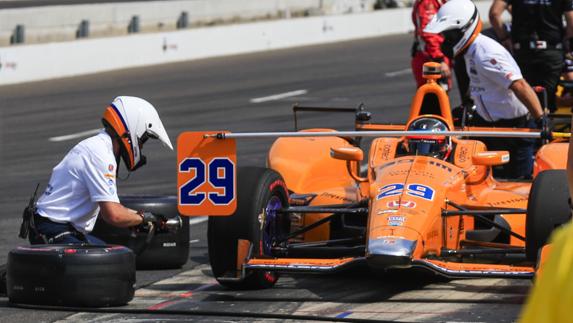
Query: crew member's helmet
(426,144)
(458,21)
(132,121)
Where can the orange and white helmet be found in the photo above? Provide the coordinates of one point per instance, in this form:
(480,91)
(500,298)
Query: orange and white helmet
(458,21)
(134,120)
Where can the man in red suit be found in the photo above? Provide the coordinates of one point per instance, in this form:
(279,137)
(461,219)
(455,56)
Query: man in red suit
(426,47)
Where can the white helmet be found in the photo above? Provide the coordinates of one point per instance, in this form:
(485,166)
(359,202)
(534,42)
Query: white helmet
(459,22)
(133,120)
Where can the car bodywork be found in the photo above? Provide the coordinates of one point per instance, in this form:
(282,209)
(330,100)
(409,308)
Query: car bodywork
(449,216)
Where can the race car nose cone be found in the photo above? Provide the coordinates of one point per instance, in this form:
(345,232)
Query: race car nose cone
(390,252)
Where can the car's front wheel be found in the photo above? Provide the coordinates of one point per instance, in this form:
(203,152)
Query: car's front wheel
(261,193)
(547,209)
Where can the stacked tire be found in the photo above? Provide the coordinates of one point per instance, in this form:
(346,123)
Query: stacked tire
(166,250)
(68,275)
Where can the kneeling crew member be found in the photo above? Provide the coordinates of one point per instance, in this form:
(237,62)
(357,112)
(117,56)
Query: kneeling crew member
(83,184)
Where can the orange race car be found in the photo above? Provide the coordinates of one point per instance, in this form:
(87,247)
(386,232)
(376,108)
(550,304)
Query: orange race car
(424,197)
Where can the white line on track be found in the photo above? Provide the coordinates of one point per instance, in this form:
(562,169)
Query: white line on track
(75,135)
(279,96)
(398,73)
(197,220)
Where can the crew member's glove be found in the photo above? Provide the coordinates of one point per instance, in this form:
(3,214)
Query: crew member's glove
(543,125)
(541,122)
(151,219)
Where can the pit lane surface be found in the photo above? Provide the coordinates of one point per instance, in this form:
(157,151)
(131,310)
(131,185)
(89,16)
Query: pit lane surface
(242,93)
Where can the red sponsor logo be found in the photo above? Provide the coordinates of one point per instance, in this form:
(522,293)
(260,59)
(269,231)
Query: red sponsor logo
(397,204)
(276,183)
(493,61)
(110,167)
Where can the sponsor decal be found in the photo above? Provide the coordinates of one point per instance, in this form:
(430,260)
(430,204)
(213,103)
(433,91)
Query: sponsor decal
(493,61)
(505,158)
(276,183)
(386,152)
(169,244)
(5,64)
(406,204)
(109,175)
(337,197)
(389,241)
(440,165)
(396,221)
(110,167)
(386,211)
(49,190)
(463,154)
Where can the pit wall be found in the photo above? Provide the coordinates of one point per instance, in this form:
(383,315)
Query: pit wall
(25,63)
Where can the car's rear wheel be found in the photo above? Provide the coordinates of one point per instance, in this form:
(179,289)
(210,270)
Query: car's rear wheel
(261,193)
(547,209)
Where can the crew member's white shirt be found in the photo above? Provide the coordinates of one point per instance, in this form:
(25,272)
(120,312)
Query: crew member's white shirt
(83,178)
(492,70)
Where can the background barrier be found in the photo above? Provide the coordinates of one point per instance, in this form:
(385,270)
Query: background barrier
(26,63)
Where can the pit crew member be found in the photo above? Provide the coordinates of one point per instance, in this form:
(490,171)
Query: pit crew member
(426,46)
(83,184)
(502,96)
(536,38)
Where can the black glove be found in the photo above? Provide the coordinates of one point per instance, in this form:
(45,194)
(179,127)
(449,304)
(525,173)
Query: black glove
(151,219)
(541,122)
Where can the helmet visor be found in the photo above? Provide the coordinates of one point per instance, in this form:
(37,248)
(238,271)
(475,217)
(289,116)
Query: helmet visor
(431,148)
(451,38)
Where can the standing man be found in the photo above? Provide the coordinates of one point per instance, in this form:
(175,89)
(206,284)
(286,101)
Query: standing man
(83,184)
(502,97)
(537,38)
(426,46)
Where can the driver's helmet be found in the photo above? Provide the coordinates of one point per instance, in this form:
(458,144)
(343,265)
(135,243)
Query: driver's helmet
(429,145)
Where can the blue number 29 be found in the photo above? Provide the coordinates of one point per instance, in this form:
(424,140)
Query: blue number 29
(417,190)
(220,173)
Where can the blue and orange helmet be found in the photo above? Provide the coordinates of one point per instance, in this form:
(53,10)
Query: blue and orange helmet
(132,121)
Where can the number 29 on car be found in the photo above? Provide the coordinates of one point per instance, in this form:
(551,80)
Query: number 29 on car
(206,174)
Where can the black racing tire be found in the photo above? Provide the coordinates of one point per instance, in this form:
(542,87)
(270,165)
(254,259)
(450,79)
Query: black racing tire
(258,188)
(547,209)
(167,250)
(70,275)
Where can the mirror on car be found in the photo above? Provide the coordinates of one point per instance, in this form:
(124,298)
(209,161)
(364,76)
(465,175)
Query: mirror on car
(347,153)
(491,158)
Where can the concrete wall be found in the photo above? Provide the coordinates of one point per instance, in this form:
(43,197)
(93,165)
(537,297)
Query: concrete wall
(45,61)
(59,23)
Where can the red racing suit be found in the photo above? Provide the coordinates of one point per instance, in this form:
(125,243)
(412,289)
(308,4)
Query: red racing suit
(426,47)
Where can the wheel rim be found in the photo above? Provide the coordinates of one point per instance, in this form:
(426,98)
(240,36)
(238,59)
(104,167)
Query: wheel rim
(272,226)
